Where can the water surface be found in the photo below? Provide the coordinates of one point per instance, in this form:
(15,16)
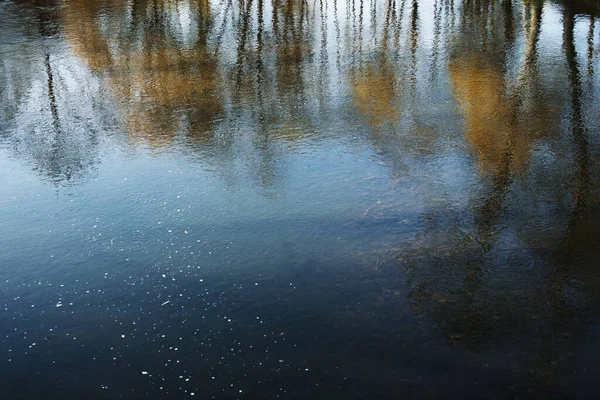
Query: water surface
(299,199)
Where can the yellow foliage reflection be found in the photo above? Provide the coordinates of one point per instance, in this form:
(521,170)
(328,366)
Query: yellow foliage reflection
(156,60)
(480,92)
(374,96)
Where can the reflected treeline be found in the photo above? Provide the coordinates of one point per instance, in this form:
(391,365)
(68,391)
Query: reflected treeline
(226,79)
(512,266)
(53,107)
(239,81)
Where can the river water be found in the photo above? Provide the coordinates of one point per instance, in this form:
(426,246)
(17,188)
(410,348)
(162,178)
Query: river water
(326,199)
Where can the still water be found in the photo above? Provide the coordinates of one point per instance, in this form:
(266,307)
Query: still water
(327,199)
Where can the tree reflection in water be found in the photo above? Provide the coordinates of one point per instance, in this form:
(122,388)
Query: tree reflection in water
(470,105)
(54,107)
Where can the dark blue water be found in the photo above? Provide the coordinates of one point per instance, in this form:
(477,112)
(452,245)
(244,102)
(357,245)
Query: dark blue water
(286,199)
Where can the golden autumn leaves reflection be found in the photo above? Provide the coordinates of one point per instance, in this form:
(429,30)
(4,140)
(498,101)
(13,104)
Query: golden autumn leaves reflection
(158,63)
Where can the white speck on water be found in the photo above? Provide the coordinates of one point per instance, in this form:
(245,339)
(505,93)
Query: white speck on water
(144,372)
(166,302)
(192,394)
(123,336)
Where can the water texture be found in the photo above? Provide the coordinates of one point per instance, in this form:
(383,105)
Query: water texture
(299,199)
